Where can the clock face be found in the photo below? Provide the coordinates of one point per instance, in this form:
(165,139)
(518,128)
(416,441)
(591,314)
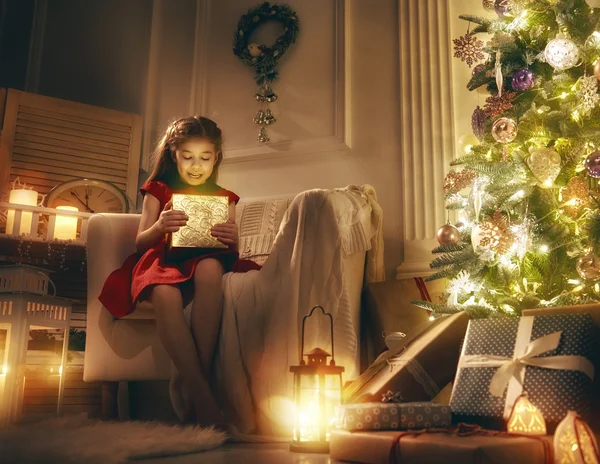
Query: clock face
(89,196)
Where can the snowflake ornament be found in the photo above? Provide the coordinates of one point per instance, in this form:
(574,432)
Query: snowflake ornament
(495,105)
(587,94)
(460,285)
(496,234)
(469,49)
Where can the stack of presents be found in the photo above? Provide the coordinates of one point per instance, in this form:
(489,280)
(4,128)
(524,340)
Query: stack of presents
(497,390)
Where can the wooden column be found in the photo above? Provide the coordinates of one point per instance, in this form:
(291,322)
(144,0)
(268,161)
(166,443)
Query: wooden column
(426,126)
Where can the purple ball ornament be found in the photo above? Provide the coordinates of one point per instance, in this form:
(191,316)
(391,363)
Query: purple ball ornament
(592,164)
(523,80)
(502,7)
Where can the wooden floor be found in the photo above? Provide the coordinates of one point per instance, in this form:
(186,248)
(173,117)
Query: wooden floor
(270,453)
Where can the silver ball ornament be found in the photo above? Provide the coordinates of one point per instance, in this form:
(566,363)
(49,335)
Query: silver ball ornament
(588,266)
(448,235)
(504,130)
(561,54)
(597,69)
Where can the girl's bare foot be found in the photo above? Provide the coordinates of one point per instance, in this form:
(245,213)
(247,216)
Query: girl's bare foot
(180,399)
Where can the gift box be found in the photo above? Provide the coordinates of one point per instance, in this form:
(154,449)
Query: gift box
(546,357)
(394,416)
(594,311)
(203,213)
(416,366)
(399,447)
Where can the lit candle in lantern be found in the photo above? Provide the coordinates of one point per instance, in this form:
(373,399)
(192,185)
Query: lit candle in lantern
(21,197)
(66,226)
(317,396)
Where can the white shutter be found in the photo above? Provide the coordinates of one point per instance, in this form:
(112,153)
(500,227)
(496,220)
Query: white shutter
(46,141)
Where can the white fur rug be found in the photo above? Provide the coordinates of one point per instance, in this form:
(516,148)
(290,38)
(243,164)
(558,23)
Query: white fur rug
(76,440)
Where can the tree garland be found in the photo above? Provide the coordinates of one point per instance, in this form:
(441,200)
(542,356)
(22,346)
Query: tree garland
(262,58)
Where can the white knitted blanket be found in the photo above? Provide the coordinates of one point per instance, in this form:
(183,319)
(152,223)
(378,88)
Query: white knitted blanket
(263,310)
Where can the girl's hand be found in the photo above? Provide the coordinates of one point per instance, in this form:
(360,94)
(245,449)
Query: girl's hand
(226,233)
(171,220)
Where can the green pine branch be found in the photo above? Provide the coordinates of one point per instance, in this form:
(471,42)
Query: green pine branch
(450,248)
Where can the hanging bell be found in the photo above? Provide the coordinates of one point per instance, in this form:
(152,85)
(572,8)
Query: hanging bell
(269,118)
(270,96)
(260,95)
(259,118)
(262,135)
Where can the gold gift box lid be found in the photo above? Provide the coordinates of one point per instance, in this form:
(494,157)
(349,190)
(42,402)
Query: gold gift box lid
(203,212)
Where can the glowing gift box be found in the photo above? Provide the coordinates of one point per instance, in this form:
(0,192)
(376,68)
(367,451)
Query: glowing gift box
(203,212)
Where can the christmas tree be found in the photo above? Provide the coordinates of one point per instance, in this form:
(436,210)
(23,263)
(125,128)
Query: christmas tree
(525,191)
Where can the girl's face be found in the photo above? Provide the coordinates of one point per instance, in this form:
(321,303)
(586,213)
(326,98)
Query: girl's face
(195,160)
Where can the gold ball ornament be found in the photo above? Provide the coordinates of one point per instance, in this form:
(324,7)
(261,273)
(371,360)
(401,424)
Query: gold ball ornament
(545,164)
(504,130)
(448,235)
(588,266)
(593,3)
(597,69)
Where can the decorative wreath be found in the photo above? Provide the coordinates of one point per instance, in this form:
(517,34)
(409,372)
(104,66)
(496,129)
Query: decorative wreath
(262,58)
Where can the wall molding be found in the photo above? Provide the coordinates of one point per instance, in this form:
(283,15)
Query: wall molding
(427,128)
(286,148)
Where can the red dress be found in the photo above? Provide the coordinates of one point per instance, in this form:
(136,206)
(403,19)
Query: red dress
(133,280)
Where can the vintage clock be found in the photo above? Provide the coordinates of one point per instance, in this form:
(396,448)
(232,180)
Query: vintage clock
(89,195)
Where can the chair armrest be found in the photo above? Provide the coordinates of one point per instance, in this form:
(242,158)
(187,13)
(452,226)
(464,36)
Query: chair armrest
(111,238)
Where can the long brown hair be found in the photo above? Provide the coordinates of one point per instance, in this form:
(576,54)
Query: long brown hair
(178,132)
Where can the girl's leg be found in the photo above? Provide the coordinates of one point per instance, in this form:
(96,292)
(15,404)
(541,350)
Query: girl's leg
(177,340)
(207,309)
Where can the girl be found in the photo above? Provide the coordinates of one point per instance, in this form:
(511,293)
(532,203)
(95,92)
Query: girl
(186,160)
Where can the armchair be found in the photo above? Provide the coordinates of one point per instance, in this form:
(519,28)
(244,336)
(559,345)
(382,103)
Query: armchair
(129,349)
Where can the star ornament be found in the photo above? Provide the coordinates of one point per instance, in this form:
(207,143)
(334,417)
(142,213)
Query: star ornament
(469,49)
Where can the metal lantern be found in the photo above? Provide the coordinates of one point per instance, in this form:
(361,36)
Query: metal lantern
(317,396)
